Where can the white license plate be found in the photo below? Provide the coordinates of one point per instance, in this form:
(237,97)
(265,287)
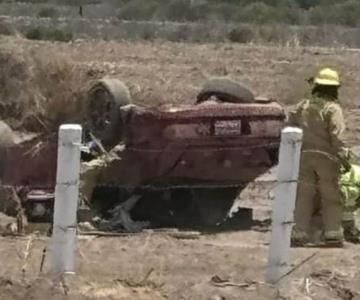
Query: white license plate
(228,128)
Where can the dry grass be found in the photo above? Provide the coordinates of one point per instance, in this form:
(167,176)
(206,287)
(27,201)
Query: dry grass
(40,88)
(43,83)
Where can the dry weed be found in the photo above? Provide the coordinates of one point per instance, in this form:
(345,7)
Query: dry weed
(40,88)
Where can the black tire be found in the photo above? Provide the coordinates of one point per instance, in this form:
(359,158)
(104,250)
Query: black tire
(225,90)
(214,204)
(7,140)
(7,136)
(105,97)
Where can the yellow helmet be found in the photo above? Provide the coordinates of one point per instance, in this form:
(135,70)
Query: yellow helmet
(327,76)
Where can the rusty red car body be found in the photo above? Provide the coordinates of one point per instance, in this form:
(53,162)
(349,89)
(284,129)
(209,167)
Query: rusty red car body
(220,144)
(209,144)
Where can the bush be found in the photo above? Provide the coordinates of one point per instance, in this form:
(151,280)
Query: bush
(33,34)
(243,34)
(275,34)
(259,13)
(183,10)
(292,15)
(60,34)
(6,29)
(222,11)
(180,33)
(346,14)
(48,12)
(138,10)
(49,34)
(306,4)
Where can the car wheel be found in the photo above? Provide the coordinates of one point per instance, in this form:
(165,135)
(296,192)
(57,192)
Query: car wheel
(105,97)
(225,90)
(7,136)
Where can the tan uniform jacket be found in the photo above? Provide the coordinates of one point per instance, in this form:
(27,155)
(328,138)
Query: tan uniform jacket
(322,122)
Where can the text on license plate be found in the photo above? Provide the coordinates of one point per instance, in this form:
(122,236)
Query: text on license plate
(226,128)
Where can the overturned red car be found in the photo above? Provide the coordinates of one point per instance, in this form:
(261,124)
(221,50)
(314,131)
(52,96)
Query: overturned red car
(207,151)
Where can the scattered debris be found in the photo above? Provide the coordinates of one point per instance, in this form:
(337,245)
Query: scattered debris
(26,254)
(336,282)
(186,235)
(307,285)
(85,227)
(217,297)
(297,266)
(219,282)
(8,225)
(43,256)
(105,233)
(145,281)
(121,216)
(172,232)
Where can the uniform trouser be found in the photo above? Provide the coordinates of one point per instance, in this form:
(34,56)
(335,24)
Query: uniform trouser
(318,174)
(349,213)
(90,174)
(350,203)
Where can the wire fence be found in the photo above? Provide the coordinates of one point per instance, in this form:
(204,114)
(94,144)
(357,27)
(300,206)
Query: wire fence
(266,180)
(181,150)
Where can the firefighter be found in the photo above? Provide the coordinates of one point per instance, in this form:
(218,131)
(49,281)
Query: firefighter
(350,188)
(321,119)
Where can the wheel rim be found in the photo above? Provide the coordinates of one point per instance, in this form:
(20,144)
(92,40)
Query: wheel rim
(100,110)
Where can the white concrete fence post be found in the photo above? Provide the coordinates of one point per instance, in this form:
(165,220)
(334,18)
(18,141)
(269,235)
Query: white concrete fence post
(284,203)
(63,240)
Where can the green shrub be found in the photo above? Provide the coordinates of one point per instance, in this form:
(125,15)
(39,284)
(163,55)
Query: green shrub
(138,10)
(59,34)
(179,33)
(243,34)
(346,14)
(317,12)
(274,34)
(259,13)
(306,4)
(33,33)
(222,11)
(48,12)
(6,29)
(31,1)
(292,15)
(148,34)
(182,10)
(49,34)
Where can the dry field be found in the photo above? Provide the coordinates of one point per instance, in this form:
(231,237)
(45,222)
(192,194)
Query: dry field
(155,265)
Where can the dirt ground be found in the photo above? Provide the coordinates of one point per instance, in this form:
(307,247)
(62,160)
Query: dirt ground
(223,265)
(229,265)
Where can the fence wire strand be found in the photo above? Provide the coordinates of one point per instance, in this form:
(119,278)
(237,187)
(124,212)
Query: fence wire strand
(266,184)
(180,150)
(274,182)
(200,148)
